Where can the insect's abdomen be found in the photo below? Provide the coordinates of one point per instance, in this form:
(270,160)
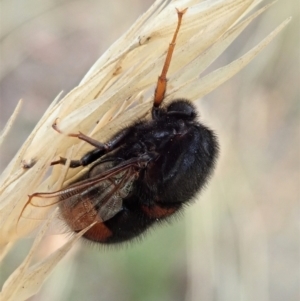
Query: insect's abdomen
(134,219)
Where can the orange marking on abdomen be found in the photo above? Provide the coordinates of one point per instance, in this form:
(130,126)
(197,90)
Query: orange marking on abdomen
(158,212)
(81,216)
(99,232)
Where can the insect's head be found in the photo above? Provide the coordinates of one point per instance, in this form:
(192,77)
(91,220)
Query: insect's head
(182,109)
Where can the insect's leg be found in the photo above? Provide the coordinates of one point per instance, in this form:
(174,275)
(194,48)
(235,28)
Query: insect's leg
(93,155)
(162,79)
(80,136)
(87,159)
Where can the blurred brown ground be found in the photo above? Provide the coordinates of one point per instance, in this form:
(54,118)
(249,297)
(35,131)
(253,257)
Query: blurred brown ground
(241,240)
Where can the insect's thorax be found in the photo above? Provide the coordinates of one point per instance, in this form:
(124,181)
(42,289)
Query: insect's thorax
(154,136)
(175,147)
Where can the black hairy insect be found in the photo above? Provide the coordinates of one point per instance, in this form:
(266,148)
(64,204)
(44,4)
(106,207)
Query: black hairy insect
(144,174)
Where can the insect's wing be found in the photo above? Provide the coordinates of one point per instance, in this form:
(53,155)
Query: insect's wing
(85,208)
(100,201)
(95,199)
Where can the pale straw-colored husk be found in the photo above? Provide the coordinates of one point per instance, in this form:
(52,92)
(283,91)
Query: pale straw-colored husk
(117,89)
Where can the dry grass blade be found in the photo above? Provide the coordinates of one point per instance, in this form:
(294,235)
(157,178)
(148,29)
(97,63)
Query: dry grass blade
(27,280)
(115,90)
(10,122)
(216,78)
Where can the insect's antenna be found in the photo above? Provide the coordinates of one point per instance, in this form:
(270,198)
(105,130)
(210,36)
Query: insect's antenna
(162,79)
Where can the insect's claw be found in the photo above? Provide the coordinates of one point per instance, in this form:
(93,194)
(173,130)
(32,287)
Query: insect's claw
(55,127)
(61,160)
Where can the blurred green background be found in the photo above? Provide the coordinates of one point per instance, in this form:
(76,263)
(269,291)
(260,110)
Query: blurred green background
(240,241)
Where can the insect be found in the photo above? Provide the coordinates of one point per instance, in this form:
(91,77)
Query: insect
(144,174)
